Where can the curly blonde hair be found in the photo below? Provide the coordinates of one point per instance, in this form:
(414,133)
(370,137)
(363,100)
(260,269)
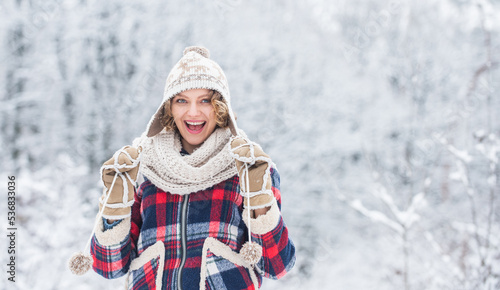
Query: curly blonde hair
(218,103)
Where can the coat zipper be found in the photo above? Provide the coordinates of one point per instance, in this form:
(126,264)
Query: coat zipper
(183,239)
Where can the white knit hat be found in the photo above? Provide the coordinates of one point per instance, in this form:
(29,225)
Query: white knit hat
(195,70)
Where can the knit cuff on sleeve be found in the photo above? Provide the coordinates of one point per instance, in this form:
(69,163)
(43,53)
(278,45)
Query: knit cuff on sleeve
(114,235)
(264,223)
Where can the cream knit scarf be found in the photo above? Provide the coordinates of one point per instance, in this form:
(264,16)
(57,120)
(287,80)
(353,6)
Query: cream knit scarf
(167,169)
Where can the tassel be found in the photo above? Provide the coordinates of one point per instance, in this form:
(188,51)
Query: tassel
(252,252)
(80,263)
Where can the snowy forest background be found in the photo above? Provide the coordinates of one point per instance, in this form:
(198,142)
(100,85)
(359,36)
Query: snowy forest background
(382,117)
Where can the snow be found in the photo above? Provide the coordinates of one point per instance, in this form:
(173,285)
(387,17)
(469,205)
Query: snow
(376,216)
(384,131)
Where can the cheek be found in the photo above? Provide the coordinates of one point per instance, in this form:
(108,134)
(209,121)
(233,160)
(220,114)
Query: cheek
(210,114)
(176,112)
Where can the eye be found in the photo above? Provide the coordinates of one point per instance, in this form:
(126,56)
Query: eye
(180,101)
(205,101)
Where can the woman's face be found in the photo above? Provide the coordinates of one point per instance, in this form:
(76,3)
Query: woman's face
(194,116)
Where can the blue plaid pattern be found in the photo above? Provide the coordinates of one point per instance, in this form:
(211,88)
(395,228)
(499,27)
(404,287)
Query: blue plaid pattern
(214,212)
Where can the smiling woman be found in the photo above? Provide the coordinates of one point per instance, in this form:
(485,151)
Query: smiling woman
(195,114)
(207,213)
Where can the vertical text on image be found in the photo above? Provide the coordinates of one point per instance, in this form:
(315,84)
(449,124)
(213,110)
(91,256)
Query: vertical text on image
(11,228)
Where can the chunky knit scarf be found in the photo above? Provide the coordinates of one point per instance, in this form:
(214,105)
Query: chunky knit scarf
(165,167)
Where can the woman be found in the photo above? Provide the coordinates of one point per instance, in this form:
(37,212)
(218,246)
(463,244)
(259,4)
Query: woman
(186,224)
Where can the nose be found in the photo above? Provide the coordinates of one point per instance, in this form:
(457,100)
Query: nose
(194,110)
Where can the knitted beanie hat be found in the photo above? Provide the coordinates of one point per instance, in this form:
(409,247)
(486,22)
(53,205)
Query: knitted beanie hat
(195,70)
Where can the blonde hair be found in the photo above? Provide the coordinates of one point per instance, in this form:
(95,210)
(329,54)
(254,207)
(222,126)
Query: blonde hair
(218,103)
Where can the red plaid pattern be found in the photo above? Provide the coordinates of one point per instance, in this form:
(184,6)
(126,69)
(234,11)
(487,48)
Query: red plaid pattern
(214,212)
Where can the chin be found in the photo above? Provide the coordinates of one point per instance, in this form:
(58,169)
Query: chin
(195,142)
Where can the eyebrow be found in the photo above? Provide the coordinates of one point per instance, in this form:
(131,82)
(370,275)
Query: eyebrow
(200,96)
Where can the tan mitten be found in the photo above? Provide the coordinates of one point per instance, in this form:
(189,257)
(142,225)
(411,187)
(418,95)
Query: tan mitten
(124,165)
(259,177)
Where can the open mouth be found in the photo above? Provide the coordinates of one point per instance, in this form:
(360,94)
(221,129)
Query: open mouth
(195,127)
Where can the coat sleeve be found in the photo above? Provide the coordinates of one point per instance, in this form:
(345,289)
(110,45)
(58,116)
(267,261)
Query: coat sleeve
(269,230)
(113,249)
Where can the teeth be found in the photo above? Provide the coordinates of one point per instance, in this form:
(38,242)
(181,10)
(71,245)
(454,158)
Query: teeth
(195,123)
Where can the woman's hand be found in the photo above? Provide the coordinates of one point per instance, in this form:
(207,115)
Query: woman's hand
(258,163)
(125,164)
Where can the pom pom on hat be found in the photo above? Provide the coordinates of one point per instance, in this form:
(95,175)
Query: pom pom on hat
(80,263)
(198,49)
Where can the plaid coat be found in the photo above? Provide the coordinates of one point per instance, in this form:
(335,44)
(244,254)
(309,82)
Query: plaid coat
(178,240)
